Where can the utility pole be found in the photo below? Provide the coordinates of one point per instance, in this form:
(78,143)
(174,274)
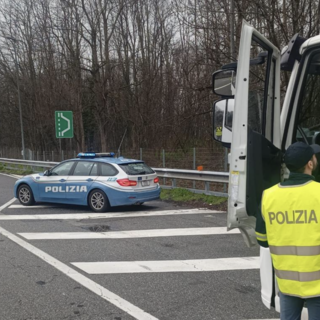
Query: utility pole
(14,41)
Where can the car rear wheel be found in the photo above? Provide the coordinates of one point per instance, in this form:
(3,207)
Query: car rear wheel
(98,201)
(25,195)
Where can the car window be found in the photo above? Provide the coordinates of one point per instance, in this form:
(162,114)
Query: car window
(136,168)
(108,170)
(62,169)
(94,170)
(83,168)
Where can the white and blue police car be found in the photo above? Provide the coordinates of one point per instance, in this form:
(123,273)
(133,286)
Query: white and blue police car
(97,180)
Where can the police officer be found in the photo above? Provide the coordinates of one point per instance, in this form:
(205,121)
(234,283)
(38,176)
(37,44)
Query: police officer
(290,226)
(219,133)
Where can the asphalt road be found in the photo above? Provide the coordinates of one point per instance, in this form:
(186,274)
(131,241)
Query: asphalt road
(150,264)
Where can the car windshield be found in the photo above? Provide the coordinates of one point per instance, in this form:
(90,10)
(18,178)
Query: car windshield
(136,168)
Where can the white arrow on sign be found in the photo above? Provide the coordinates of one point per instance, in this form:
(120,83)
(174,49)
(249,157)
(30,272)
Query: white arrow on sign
(68,128)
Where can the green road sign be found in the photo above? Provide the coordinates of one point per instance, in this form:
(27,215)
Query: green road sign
(64,124)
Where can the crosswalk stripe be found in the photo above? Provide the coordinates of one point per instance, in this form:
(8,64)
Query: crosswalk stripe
(127,234)
(199,265)
(82,216)
(7,204)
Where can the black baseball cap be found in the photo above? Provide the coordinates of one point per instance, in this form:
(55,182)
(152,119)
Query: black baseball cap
(298,155)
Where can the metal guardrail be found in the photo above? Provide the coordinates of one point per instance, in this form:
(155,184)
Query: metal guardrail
(207,176)
(31,163)
(195,175)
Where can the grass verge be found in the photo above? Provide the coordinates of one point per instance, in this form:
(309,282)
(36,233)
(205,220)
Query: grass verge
(20,170)
(184,195)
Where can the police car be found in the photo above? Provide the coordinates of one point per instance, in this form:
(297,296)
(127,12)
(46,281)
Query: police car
(97,180)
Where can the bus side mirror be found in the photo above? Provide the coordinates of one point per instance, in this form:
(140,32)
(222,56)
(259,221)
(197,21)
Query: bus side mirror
(222,121)
(224,83)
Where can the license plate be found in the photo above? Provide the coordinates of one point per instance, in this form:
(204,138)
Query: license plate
(145,183)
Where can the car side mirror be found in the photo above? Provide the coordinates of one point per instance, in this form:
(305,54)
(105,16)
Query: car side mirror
(47,173)
(224,83)
(222,121)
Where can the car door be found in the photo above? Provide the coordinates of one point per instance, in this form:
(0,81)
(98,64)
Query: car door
(255,156)
(52,186)
(255,161)
(80,180)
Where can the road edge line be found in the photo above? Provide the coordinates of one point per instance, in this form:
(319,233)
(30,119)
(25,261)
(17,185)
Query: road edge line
(14,176)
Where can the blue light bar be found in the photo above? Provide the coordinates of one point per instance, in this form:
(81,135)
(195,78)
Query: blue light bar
(95,155)
(86,155)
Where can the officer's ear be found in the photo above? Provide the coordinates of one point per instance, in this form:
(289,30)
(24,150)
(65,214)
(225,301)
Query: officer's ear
(310,164)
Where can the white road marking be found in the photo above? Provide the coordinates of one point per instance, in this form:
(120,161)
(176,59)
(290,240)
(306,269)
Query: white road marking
(85,216)
(20,206)
(127,234)
(16,176)
(12,175)
(199,265)
(7,204)
(228,84)
(104,293)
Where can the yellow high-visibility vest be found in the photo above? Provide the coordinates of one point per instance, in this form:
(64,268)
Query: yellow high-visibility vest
(219,131)
(292,217)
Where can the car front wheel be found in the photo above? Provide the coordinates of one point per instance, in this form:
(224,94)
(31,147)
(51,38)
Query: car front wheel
(98,201)
(25,195)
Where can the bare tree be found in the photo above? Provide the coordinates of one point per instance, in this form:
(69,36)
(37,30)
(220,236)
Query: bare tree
(122,66)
